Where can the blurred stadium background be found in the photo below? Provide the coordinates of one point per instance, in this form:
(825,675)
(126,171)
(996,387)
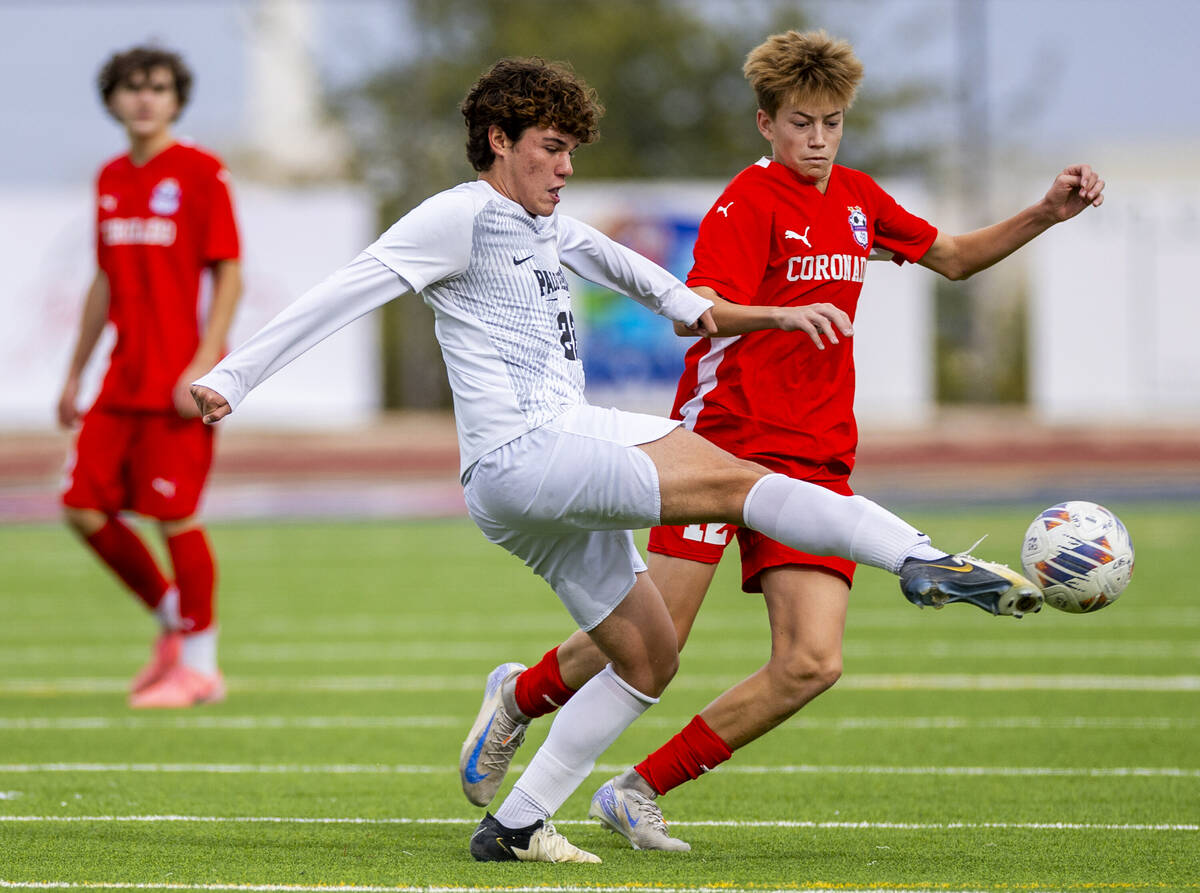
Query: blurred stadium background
(1067,371)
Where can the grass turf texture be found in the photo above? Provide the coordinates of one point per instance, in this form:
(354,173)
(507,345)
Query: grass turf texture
(959,751)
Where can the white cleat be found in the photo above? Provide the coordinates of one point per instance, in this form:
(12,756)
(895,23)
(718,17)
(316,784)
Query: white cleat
(634,815)
(488,751)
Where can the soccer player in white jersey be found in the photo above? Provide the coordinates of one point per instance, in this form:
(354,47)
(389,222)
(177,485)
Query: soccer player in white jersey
(785,245)
(555,481)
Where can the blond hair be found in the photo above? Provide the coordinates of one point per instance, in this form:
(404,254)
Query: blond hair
(811,66)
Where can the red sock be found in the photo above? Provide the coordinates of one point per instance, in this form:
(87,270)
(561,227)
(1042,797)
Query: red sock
(195,577)
(540,689)
(123,551)
(691,753)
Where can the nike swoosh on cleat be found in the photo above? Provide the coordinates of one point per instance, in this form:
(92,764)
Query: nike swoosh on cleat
(472,772)
(964,569)
(632,821)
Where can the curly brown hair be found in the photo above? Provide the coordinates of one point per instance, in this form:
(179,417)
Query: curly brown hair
(120,67)
(520,93)
(812,66)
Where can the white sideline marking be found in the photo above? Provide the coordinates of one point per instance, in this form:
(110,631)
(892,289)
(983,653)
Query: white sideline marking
(795,724)
(722,823)
(471,683)
(605,769)
(349,888)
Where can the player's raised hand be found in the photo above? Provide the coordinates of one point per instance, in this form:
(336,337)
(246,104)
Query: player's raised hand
(1076,188)
(213,407)
(818,321)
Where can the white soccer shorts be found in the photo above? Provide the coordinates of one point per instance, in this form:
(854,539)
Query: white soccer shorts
(565,497)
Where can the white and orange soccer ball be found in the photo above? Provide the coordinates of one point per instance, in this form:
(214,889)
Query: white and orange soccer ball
(1080,554)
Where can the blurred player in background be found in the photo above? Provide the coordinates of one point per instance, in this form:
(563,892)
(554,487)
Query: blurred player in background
(164,217)
(788,231)
(553,480)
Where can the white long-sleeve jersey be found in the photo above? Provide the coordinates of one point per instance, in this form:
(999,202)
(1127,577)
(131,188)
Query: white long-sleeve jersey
(493,275)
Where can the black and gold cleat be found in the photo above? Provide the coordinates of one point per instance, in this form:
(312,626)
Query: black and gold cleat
(995,588)
(539,842)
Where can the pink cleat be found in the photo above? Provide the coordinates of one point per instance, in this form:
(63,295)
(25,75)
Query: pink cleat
(165,656)
(181,687)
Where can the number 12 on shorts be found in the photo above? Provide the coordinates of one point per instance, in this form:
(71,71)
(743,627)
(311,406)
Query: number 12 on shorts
(713,534)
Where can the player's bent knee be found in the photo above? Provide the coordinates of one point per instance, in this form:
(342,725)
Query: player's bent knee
(652,676)
(804,676)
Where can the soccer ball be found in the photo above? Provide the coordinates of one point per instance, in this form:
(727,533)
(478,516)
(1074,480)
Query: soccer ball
(1080,554)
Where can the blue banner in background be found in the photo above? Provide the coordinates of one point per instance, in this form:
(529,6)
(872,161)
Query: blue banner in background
(623,345)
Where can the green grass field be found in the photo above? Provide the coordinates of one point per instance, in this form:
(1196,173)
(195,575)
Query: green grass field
(958,752)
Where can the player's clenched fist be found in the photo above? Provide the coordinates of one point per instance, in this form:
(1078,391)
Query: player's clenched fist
(213,407)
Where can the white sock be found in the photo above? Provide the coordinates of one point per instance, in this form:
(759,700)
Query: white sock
(582,730)
(812,519)
(167,610)
(199,651)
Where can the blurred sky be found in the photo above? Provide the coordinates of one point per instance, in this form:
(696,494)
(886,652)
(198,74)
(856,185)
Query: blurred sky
(1065,76)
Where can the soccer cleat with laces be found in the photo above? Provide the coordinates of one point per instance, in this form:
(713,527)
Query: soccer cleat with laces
(498,731)
(996,588)
(624,810)
(539,842)
(181,687)
(165,655)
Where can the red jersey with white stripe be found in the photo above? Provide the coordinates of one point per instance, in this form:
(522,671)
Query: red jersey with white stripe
(775,239)
(158,226)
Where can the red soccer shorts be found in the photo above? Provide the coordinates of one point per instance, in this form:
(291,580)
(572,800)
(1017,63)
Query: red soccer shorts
(154,464)
(706,543)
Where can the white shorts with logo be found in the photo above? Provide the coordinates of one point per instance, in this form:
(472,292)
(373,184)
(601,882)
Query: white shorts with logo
(565,497)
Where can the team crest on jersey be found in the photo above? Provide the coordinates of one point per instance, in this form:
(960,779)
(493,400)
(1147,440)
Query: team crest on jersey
(858,225)
(165,197)
(108,202)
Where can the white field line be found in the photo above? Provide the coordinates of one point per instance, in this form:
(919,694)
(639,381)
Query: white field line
(690,682)
(350,888)
(795,724)
(605,769)
(775,823)
(357,651)
(445,626)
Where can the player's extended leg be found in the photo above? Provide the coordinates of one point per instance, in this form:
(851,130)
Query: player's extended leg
(807,611)
(639,639)
(194,677)
(514,694)
(701,482)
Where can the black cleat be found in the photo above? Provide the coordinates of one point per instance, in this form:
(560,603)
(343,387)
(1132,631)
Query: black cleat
(962,578)
(539,842)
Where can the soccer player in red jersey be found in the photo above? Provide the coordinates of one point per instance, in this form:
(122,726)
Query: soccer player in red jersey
(785,247)
(163,217)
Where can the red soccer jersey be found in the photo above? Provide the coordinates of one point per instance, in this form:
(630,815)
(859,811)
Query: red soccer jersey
(774,239)
(158,227)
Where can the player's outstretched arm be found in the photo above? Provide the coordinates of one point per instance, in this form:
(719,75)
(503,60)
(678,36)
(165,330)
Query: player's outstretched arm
(211,405)
(958,257)
(587,252)
(356,289)
(818,321)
